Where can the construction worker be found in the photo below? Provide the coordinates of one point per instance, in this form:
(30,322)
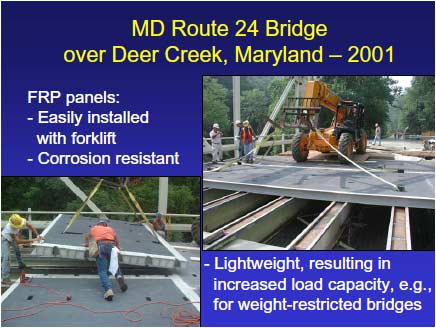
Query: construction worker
(217,147)
(11,237)
(159,225)
(247,138)
(377,136)
(107,259)
(240,144)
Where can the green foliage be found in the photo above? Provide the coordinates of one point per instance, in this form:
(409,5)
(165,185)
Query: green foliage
(374,92)
(418,109)
(254,106)
(258,96)
(51,194)
(215,109)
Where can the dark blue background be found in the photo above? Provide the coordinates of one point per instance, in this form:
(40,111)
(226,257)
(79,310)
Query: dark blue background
(35,35)
(409,266)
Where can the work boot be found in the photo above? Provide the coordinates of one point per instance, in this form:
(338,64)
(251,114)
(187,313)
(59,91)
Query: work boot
(122,283)
(108,295)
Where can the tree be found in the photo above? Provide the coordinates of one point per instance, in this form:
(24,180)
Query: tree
(419,106)
(215,109)
(374,92)
(254,108)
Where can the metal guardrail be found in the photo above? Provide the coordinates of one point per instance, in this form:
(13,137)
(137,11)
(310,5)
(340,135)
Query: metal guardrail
(107,213)
(207,148)
(281,136)
(43,224)
(169,226)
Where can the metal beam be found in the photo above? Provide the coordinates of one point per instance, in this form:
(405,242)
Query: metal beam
(232,147)
(261,223)
(277,108)
(236,82)
(213,194)
(242,244)
(79,193)
(107,213)
(230,207)
(163,195)
(323,232)
(328,195)
(399,230)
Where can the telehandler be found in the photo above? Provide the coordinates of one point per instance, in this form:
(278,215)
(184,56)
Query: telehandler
(345,132)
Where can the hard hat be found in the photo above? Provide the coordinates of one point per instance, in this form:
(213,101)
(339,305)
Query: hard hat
(102,222)
(216,125)
(237,122)
(376,124)
(246,123)
(16,221)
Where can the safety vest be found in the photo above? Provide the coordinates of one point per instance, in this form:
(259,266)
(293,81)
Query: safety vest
(246,135)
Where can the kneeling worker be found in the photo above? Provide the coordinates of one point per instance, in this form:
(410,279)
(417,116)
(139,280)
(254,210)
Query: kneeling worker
(11,237)
(106,239)
(159,225)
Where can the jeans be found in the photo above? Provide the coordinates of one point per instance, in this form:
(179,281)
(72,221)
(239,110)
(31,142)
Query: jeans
(17,252)
(6,269)
(377,138)
(241,149)
(247,148)
(103,260)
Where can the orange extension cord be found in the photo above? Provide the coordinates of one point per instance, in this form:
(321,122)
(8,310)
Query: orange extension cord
(180,317)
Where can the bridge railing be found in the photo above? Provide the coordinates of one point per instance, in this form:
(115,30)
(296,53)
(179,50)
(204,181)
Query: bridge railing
(231,143)
(184,227)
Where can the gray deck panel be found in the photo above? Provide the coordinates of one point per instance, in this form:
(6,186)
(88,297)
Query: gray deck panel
(332,179)
(191,274)
(87,292)
(132,237)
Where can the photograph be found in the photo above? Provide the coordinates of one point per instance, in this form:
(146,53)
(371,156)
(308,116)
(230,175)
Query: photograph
(318,163)
(106,251)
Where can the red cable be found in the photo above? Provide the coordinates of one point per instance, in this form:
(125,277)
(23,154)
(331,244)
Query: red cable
(180,317)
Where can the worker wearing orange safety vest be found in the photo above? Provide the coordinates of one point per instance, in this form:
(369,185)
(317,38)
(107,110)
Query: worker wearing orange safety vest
(247,138)
(106,239)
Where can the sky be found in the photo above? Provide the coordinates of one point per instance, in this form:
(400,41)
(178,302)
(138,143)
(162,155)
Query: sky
(403,81)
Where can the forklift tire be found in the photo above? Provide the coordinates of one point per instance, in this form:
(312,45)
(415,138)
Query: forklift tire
(196,231)
(362,143)
(300,147)
(345,146)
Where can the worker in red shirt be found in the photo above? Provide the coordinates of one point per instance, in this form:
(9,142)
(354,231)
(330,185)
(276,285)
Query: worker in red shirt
(159,225)
(106,239)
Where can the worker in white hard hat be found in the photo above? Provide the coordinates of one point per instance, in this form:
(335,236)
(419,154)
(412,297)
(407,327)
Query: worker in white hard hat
(11,237)
(238,124)
(377,136)
(217,147)
(248,136)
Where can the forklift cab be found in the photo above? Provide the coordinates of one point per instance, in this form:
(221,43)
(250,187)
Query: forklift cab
(349,118)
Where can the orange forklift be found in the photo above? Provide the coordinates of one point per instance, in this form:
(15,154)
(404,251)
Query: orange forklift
(345,133)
